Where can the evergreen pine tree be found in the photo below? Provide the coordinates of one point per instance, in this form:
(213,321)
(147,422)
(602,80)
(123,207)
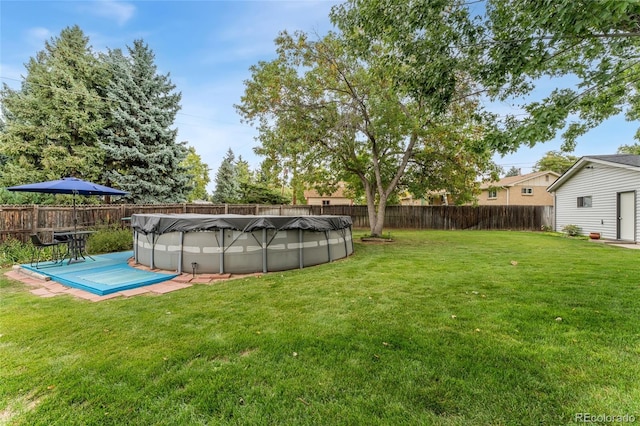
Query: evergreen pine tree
(513,171)
(51,125)
(141,152)
(227,186)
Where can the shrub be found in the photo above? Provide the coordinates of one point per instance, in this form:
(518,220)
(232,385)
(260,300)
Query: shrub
(110,239)
(572,230)
(14,251)
(546,228)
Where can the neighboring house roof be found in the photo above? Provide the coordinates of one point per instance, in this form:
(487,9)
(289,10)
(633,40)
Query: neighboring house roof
(510,181)
(626,161)
(312,193)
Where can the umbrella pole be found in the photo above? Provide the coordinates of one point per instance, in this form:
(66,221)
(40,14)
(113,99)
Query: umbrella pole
(75,215)
(74,238)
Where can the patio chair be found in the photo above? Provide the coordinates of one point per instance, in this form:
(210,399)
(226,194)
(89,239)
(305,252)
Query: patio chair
(63,240)
(38,246)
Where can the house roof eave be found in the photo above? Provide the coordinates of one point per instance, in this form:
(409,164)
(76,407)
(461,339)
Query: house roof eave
(580,164)
(525,178)
(566,175)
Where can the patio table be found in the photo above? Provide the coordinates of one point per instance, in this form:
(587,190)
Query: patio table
(77,245)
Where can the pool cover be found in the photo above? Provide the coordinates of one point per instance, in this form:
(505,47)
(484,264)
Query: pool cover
(109,273)
(164,223)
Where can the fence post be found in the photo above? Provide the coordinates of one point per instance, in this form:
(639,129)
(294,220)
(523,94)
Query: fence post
(34,224)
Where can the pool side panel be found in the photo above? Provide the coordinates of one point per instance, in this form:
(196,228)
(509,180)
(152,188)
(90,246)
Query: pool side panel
(243,252)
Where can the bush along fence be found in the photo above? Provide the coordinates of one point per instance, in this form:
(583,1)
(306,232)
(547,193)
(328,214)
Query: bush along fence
(19,221)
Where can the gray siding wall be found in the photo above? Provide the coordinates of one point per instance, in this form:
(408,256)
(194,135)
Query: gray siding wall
(602,183)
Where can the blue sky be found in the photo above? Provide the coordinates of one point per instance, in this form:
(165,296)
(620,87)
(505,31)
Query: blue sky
(208,47)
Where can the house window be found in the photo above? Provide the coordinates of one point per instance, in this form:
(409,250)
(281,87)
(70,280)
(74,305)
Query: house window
(584,201)
(325,202)
(527,191)
(493,193)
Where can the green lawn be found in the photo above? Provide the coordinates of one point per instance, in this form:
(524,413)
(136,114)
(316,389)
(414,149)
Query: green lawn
(444,328)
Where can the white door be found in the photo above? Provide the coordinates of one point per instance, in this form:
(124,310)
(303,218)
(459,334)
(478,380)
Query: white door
(626,215)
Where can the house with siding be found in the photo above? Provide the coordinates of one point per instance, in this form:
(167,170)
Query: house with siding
(600,193)
(523,190)
(337,198)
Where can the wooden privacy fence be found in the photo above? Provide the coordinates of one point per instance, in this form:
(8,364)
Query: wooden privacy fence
(524,218)
(19,221)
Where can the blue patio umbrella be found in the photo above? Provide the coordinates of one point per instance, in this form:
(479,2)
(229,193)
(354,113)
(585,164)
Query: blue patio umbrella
(68,185)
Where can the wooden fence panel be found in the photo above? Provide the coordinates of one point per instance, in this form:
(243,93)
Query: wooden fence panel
(359,215)
(18,221)
(205,208)
(242,209)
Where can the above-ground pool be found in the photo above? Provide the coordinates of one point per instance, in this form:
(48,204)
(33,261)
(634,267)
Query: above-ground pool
(203,243)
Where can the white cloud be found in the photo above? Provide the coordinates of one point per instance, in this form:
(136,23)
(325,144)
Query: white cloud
(120,12)
(36,36)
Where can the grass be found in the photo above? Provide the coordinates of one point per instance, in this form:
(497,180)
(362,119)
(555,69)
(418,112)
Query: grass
(443,328)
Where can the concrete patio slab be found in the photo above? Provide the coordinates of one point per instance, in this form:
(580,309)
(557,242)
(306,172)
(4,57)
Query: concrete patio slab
(167,287)
(43,292)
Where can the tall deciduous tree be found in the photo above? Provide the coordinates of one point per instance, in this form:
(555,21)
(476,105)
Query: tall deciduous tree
(588,50)
(594,45)
(199,173)
(51,125)
(629,149)
(142,155)
(556,162)
(341,109)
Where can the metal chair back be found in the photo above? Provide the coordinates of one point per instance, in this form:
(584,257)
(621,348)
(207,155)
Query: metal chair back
(39,246)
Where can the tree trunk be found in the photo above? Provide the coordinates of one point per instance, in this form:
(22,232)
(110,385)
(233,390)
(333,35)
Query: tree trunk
(371,206)
(376,216)
(373,217)
(376,229)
